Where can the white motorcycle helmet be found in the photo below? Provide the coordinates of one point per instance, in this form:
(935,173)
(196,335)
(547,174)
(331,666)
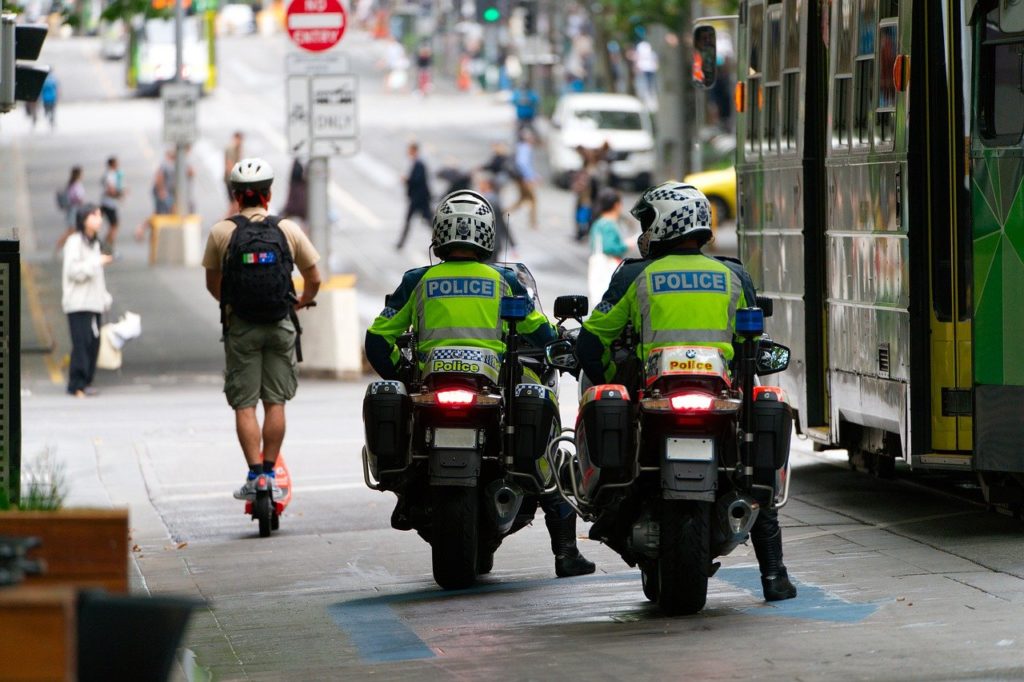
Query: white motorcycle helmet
(253,173)
(671,211)
(463,219)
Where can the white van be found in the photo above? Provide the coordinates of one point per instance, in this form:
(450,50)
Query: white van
(591,119)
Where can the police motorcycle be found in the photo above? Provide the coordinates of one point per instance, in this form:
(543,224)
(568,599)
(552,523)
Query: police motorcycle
(463,443)
(674,468)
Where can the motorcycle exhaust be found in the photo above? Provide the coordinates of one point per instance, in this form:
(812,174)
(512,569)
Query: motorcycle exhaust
(506,498)
(736,515)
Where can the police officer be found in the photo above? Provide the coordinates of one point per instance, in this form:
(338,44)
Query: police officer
(676,295)
(455,303)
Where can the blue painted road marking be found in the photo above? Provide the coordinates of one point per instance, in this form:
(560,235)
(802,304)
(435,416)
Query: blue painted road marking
(381,635)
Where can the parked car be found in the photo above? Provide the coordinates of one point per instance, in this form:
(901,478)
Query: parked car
(236,19)
(591,119)
(113,39)
(719,186)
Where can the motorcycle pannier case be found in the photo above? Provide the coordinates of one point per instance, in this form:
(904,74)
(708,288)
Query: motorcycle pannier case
(605,417)
(386,418)
(773,424)
(535,411)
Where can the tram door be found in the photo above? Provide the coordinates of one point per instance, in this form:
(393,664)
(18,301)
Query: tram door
(949,398)
(997,206)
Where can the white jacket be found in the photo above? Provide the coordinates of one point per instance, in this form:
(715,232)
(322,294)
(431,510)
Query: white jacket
(83,285)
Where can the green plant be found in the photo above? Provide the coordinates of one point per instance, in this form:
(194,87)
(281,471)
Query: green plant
(44,483)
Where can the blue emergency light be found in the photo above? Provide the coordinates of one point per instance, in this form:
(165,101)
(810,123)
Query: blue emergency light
(749,321)
(514,308)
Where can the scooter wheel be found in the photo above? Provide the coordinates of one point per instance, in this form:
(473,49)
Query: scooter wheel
(264,513)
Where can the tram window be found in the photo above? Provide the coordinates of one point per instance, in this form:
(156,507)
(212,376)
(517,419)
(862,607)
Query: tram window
(755,94)
(771,117)
(1001,92)
(841,113)
(790,109)
(792,23)
(773,48)
(888,9)
(844,36)
(885,118)
(865,96)
(756,38)
(866,28)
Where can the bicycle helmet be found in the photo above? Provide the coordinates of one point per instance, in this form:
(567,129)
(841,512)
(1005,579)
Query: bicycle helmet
(671,211)
(463,219)
(253,173)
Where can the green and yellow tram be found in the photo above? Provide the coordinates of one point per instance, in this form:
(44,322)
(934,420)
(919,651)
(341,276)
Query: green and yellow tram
(879,171)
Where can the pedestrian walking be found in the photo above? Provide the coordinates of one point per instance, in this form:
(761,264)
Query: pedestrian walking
(417,190)
(526,101)
(297,204)
(164,190)
(525,176)
(645,62)
(584,186)
(499,166)
(73,200)
(248,261)
(607,247)
(424,65)
(397,63)
(504,241)
(232,155)
(84,297)
(49,95)
(112,189)
(32,111)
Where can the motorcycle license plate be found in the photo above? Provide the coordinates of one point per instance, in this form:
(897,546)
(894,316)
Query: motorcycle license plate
(690,449)
(455,438)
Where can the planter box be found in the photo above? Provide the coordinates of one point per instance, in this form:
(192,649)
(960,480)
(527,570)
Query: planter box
(38,633)
(81,547)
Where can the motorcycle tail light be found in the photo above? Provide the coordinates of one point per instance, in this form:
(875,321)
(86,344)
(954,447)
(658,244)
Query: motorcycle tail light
(455,398)
(692,402)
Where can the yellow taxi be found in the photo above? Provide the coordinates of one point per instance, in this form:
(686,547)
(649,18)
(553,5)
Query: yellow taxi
(719,186)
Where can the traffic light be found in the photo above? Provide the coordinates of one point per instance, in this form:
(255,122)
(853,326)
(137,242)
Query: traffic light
(529,9)
(489,11)
(20,81)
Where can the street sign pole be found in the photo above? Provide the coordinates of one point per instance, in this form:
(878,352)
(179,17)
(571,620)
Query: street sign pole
(318,176)
(321,105)
(181,198)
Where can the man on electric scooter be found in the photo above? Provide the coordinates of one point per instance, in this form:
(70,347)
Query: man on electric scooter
(428,302)
(675,220)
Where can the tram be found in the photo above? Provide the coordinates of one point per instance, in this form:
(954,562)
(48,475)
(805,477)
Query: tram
(879,171)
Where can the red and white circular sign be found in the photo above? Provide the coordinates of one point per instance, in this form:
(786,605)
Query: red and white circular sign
(316,25)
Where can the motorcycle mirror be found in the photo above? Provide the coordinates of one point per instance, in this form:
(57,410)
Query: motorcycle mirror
(771,357)
(561,355)
(766,304)
(571,307)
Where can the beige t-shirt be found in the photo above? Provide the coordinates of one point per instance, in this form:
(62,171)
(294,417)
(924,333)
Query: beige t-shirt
(303,252)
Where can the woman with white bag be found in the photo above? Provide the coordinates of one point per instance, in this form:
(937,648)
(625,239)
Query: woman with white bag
(607,248)
(85,297)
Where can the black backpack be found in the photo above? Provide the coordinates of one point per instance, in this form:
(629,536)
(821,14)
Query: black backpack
(257,271)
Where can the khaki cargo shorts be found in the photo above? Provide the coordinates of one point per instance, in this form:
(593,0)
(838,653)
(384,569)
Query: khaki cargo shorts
(260,363)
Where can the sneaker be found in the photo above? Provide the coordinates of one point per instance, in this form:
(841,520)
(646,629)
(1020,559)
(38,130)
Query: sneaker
(248,490)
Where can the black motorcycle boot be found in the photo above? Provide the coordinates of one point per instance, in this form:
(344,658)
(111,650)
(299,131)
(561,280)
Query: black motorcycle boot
(568,560)
(774,578)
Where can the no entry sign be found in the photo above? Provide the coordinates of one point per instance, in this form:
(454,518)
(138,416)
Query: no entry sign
(316,25)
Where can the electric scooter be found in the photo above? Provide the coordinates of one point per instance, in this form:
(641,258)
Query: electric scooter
(265,508)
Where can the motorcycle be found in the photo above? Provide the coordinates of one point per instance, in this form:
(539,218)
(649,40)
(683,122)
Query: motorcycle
(674,468)
(462,443)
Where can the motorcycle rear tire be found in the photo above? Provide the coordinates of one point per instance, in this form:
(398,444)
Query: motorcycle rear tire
(484,561)
(455,536)
(684,556)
